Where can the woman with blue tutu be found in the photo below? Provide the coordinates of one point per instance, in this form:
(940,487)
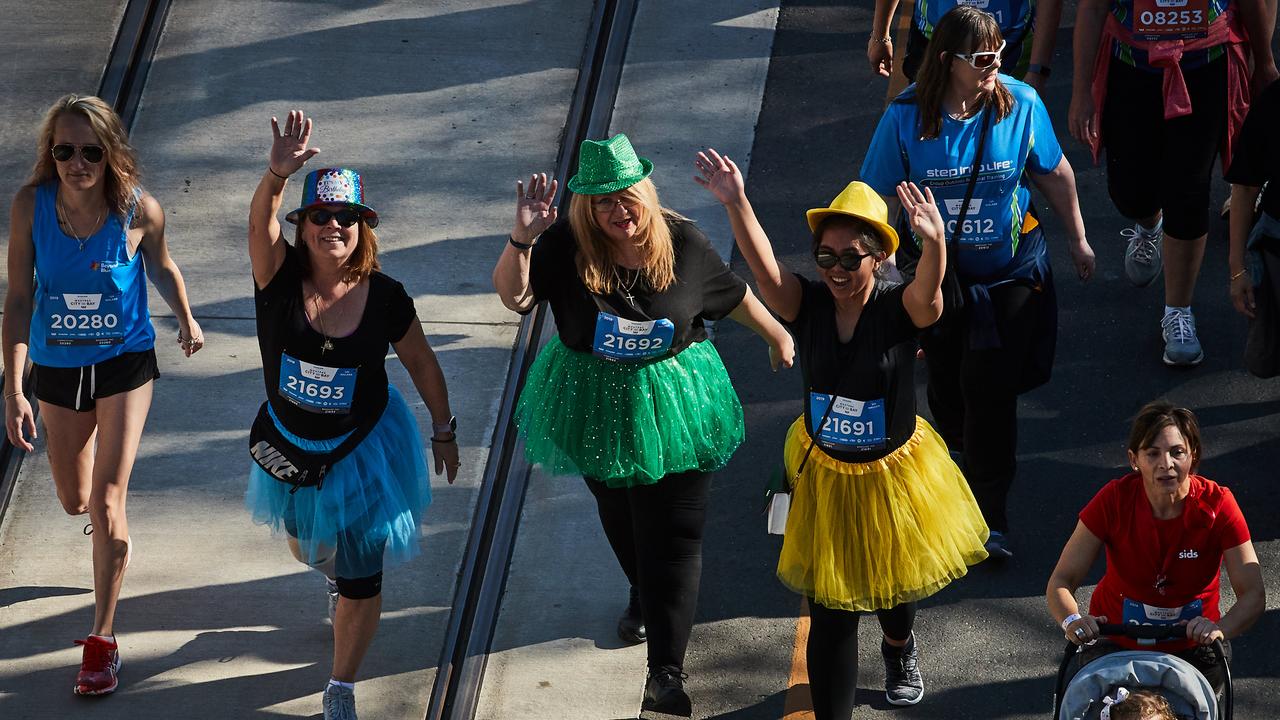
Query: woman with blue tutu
(880,515)
(338,461)
(629,394)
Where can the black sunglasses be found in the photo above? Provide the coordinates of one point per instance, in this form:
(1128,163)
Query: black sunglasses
(65,151)
(346,217)
(849,260)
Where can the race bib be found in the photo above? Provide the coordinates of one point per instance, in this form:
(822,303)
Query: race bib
(85,319)
(982,226)
(621,339)
(1136,613)
(1170,19)
(851,424)
(317,388)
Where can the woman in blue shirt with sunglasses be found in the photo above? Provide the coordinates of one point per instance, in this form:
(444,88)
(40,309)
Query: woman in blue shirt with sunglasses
(974,137)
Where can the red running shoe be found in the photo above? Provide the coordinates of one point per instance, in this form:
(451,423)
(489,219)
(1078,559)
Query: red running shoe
(99,667)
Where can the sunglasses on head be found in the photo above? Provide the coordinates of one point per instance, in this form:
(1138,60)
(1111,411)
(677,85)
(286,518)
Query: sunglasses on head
(849,260)
(981,60)
(346,217)
(63,152)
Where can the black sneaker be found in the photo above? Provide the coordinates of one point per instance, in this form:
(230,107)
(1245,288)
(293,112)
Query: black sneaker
(631,624)
(664,693)
(903,684)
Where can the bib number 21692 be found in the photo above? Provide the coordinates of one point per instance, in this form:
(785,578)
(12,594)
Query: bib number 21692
(621,339)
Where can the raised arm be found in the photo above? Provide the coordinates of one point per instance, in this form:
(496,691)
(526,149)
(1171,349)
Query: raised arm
(1077,557)
(535,212)
(289,152)
(779,288)
(922,297)
(20,421)
(165,275)
(1059,187)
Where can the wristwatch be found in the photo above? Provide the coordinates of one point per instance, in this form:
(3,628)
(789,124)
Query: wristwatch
(1043,71)
(450,427)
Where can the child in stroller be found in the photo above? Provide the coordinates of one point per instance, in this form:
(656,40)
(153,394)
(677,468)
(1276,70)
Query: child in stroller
(1095,679)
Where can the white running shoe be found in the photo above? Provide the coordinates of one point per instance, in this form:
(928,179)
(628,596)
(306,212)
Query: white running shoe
(1142,261)
(1181,345)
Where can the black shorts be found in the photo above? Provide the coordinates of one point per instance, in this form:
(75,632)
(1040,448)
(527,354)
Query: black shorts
(1154,164)
(78,387)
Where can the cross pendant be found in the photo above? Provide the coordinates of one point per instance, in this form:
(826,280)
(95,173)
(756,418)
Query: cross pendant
(326,346)
(630,298)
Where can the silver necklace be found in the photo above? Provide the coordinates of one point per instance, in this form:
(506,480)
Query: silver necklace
(66,218)
(626,289)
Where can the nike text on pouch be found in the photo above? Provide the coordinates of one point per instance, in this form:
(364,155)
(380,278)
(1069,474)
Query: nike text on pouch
(272,461)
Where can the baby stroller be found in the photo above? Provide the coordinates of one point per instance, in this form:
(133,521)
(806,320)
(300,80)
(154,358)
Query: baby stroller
(1085,678)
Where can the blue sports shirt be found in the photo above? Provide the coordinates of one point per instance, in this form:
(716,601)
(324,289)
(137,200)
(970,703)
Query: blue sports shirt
(90,303)
(1013,16)
(1022,142)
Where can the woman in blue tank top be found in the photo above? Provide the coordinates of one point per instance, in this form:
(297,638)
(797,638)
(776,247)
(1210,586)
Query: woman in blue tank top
(82,233)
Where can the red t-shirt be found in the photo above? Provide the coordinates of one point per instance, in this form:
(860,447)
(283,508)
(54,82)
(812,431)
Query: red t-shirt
(1158,570)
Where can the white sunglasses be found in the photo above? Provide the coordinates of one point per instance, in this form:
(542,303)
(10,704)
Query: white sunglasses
(981,60)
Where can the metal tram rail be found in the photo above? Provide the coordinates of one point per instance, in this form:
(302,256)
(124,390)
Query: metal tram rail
(123,78)
(491,542)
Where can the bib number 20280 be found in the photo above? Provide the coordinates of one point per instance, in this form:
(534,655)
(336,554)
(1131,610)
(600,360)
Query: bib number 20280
(88,319)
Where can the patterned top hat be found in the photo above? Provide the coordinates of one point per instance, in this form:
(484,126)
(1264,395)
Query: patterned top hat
(860,201)
(334,185)
(606,166)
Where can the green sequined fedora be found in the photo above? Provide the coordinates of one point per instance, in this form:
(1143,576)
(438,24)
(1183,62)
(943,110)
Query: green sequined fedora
(606,166)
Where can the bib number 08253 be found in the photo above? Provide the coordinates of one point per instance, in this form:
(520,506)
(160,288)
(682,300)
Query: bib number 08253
(1171,17)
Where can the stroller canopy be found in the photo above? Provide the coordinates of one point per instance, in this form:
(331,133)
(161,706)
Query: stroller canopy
(1188,692)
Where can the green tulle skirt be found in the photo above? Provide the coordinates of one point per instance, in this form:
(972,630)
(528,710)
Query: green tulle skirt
(628,424)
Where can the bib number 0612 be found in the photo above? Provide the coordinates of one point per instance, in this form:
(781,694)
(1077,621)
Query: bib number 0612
(92,321)
(977,226)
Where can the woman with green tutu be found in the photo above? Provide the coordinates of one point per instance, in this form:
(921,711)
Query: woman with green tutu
(629,394)
(880,516)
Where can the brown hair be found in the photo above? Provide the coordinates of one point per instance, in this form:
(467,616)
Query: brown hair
(596,261)
(1143,705)
(1156,416)
(962,30)
(362,261)
(121,176)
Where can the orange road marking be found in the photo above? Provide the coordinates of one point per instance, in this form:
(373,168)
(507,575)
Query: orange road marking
(799,704)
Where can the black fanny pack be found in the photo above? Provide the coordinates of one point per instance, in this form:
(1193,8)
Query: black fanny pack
(288,463)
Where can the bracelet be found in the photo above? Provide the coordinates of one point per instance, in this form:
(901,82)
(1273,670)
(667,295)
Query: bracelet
(273,172)
(1066,621)
(1041,70)
(517,244)
(453,437)
(1237,276)
(15,393)
(886,40)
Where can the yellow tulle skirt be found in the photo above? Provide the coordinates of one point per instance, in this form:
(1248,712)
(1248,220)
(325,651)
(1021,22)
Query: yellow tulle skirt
(869,536)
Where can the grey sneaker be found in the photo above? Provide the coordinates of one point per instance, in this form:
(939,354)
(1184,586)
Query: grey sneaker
(903,683)
(339,703)
(1142,263)
(331,589)
(1181,346)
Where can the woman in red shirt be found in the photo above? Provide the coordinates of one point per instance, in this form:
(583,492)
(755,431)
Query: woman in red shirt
(1167,533)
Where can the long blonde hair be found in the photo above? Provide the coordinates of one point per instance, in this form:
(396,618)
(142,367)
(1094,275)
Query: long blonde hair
(963,29)
(121,181)
(596,261)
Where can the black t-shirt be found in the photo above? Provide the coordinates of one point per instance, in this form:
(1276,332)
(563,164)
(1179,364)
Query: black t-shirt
(875,365)
(1256,155)
(705,288)
(325,393)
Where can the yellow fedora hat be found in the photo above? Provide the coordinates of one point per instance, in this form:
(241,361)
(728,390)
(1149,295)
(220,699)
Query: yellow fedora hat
(860,201)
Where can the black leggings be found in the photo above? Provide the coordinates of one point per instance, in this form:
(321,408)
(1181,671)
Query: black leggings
(656,533)
(833,654)
(974,399)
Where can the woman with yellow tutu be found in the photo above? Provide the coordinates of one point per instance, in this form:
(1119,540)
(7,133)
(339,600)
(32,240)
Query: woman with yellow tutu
(880,517)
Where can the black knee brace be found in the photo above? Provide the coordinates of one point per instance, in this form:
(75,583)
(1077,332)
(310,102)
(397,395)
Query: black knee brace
(360,588)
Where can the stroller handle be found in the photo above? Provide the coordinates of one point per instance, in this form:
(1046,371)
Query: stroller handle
(1158,633)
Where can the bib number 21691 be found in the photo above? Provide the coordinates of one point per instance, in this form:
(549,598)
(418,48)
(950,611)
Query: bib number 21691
(850,425)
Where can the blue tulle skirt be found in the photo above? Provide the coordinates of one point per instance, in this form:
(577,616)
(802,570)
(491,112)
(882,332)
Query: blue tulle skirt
(367,512)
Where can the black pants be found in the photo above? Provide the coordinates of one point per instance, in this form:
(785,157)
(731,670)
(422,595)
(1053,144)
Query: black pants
(833,654)
(973,394)
(656,533)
